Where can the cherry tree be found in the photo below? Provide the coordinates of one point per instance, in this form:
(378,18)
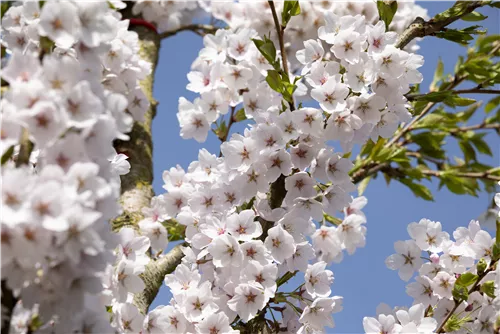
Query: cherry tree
(86,244)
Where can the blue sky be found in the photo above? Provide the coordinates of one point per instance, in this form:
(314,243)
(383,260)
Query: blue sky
(362,279)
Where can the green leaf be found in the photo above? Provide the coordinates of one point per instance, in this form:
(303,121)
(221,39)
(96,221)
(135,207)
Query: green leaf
(7,154)
(464,116)
(488,288)
(175,230)
(473,17)
(459,185)
(374,152)
(480,144)
(455,100)
(463,36)
(458,9)
(367,148)
(274,80)
(363,184)
(496,251)
(438,75)
(418,189)
(240,115)
(454,323)
(433,96)
(266,48)
(110,5)
(492,104)
(431,121)
(386,11)
(466,279)
(46,44)
(468,150)
(430,143)
(4,7)
(460,293)
(495,4)
(221,130)
(290,9)
(332,220)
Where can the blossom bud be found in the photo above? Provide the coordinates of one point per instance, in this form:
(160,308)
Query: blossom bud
(481,266)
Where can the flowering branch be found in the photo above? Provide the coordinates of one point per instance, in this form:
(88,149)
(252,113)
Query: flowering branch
(155,274)
(484,175)
(487,175)
(472,289)
(481,126)
(422,28)
(414,97)
(199,29)
(280,29)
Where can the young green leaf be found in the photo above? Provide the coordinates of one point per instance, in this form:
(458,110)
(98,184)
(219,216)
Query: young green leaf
(274,80)
(466,279)
(418,190)
(460,293)
(492,104)
(7,154)
(386,11)
(290,9)
(474,16)
(433,96)
(240,115)
(266,48)
(362,186)
(438,75)
(488,288)
(457,101)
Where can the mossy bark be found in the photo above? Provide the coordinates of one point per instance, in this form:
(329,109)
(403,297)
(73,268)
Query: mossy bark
(137,188)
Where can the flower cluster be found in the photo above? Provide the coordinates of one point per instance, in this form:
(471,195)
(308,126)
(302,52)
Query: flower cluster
(456,287)
(246,241)
(366,75)
(257,15)
(72,76)
(168,15)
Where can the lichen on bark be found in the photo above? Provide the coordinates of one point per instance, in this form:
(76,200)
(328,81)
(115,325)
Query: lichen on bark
(136,186)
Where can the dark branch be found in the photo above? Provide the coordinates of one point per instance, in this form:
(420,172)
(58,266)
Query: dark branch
(199,29)
(422,28)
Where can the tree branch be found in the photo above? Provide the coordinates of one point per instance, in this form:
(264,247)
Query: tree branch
(280,31)
(472,289)
(155,274)
(199,29)
(136,186)
(472,175)
(8,304)
(422,28)
(414,97)
(482,126)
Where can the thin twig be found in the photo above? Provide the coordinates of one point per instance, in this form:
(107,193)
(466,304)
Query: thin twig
(280,29)
(482,126)
(230,123)
(414,97)
(471,175)
(457,303)
(199,29)
(419,155)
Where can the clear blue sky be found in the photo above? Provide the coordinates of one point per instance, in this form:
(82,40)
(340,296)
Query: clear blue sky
(362,279)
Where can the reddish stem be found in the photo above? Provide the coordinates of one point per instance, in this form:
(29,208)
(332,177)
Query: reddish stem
(144,23)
